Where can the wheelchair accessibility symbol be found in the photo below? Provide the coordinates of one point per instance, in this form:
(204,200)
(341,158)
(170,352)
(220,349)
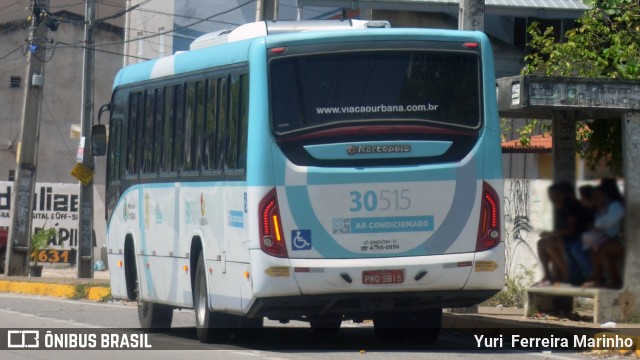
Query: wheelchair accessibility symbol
(301,239)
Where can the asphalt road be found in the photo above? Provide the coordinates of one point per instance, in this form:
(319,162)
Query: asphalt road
(278,342)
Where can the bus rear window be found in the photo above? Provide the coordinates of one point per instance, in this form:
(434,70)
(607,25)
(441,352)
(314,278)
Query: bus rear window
(343,88)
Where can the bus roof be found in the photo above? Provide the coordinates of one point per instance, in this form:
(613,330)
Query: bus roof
(234,52)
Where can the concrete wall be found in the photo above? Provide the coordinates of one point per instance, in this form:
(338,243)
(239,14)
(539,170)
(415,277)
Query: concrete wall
(62,97)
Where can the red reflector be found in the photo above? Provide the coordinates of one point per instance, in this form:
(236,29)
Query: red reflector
(302,269)
(271,237)
(471,45)
(278,50)
(464,264)
(489,226)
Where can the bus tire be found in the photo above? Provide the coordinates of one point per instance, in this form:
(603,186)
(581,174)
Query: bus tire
(325,325)
(211,326)
(154,317)
(420,326)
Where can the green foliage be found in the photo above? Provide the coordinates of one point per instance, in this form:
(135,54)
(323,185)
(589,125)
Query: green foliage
(39,241)
(532,127)
(605,44)
(512,295)
(80,291)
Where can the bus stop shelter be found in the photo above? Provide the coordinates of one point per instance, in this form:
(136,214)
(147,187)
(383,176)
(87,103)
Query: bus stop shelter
(565,100)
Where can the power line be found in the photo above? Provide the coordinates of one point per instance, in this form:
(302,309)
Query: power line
(12,51)
(157,12)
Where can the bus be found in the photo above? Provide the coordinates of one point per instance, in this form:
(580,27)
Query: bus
(320,171)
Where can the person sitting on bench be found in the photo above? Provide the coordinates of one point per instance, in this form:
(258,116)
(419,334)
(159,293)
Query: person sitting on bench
(604,239)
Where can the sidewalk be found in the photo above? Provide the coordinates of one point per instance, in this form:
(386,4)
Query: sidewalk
(59,282)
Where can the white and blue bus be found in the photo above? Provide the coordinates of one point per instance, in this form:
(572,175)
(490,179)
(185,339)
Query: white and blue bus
(315,171)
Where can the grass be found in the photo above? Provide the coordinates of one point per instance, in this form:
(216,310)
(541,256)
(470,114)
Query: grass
(512,295)
(514,292)
(80,291)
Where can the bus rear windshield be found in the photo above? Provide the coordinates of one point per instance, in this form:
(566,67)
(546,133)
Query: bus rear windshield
(343,88)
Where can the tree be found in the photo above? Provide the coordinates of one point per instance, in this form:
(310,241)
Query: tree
(605,43)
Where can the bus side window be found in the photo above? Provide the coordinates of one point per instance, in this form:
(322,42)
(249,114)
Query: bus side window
(222,122)
(243,131)
(159,135)
(211,125)
(148,133)
(178,137)
(199,125)
(189,125)
(232,123)
(113,155)
(134,98)
(168,129)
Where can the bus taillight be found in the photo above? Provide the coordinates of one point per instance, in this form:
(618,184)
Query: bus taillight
(271,237)
(489,229)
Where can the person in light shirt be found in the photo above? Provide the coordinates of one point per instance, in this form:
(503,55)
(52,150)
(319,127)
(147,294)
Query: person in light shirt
(603,240)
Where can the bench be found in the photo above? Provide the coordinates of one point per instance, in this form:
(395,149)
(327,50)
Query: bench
(547,299)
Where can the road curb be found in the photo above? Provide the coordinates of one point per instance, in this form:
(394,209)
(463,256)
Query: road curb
(70,291)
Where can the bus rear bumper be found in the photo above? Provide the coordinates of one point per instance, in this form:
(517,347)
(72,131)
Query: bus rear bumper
(295,287)
(362,306)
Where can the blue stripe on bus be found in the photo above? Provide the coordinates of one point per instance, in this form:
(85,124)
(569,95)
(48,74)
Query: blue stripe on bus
(439,242)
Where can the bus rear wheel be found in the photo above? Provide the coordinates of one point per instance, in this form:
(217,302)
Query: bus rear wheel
(421,326)
(211,326)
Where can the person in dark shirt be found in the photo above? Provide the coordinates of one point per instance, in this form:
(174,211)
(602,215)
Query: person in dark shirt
(558,264)
(579,258)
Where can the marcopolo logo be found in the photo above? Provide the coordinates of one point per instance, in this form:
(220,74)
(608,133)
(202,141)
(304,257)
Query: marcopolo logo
(377,149)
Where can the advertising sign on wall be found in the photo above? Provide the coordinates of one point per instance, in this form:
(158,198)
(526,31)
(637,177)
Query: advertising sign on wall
(54,205)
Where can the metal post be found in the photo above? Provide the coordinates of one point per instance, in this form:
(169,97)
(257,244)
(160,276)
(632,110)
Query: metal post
(259,6)
(85,219)
(563,136)
(268,10)
(471,15)
(298,11)
(276,6)
(22,195)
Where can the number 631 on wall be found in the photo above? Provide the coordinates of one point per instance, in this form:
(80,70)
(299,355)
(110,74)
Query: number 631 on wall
(55,256)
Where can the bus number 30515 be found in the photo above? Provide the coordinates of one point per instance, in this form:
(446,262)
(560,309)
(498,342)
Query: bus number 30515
(384,200)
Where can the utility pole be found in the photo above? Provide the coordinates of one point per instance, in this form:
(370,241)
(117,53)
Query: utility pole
(471,15)
(18,254)
(267,10)
(85,219)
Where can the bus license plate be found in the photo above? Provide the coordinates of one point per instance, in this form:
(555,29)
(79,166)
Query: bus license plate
(376,277)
